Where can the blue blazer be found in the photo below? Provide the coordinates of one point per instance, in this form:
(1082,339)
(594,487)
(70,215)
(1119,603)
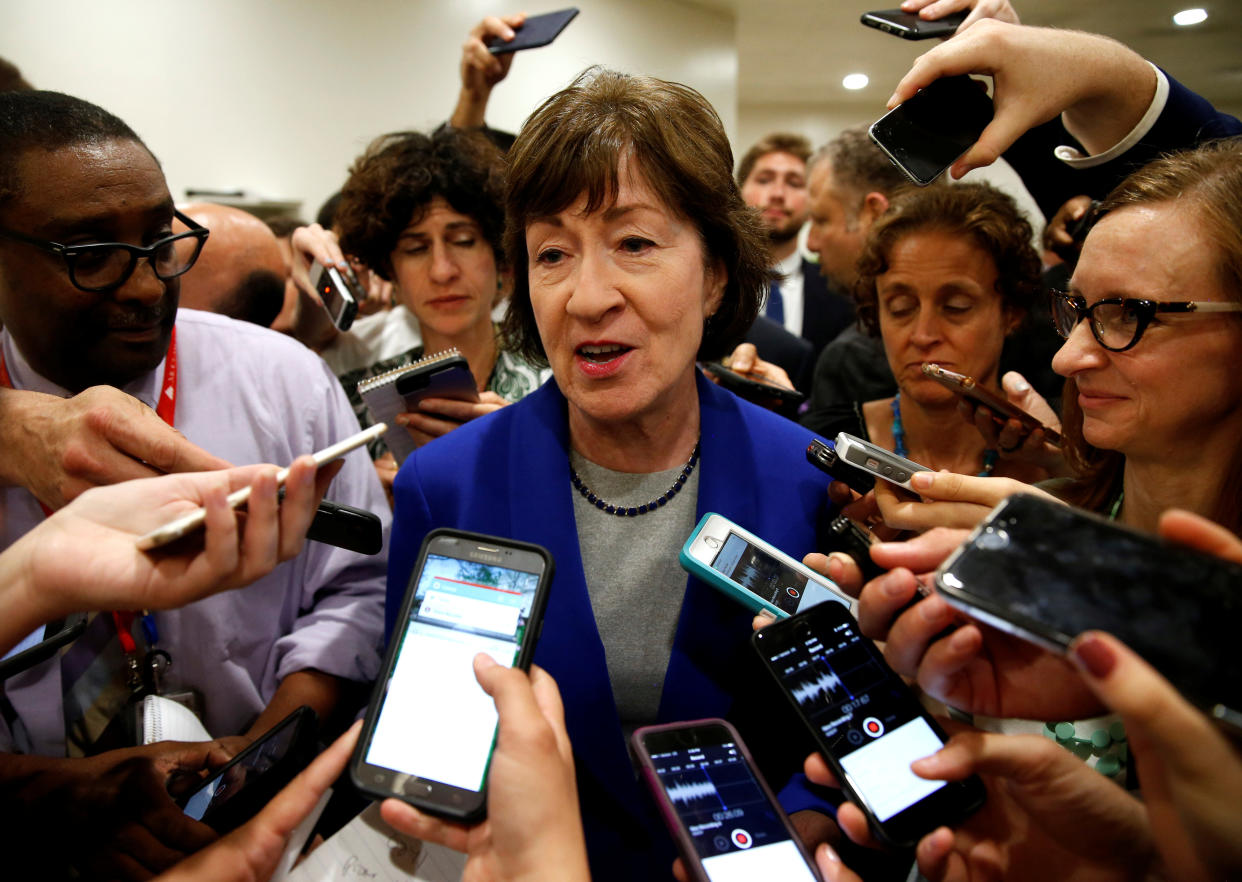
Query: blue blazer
(508,475)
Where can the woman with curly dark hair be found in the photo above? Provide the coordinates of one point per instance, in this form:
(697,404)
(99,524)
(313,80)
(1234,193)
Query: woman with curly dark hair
(946,275)
(424,212)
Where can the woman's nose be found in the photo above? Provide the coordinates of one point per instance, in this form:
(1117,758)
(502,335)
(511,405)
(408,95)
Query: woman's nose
(1080,352)
(594,291)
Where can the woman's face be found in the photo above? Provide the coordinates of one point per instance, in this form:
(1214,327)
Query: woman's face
(620,296)
(938,303)
(1181,382)
(445,271)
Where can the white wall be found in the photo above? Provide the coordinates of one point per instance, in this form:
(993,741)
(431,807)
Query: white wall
(279,96)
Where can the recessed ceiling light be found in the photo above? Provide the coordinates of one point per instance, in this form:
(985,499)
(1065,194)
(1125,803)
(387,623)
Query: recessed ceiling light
(1190,17)
(855,81)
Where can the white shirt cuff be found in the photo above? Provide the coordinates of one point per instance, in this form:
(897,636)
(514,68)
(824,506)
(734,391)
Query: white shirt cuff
(1075,158)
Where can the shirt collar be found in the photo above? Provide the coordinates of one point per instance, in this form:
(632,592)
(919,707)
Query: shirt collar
(145,388)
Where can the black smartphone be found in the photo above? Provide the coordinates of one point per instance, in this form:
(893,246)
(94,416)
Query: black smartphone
(909,26)
(536,31)
(1047,572)
(339,292)
(926,134)
(430,728)
(41,645)
(868,724)
(722,814)
(344,526)
(752,388)
(846,536)
(824,457)
(241,788)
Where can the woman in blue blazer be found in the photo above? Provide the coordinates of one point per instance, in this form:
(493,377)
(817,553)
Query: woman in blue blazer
(640,257)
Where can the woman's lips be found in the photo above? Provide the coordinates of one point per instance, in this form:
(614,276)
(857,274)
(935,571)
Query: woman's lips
(600,360)
(1088,398)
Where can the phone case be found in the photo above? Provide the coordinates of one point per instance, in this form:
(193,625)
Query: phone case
(751,389)
(722,583)
(877,461)
(538,30)
(673,823)
(824,457)
(909,26)
(946,806)
(357,762)
(443,375)
(969,388)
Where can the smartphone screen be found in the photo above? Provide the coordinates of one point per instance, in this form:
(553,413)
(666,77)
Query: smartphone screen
(927,133)
(767,576)
(435,728)
(1048,571)
(733,826)
(249,781)
(866,720)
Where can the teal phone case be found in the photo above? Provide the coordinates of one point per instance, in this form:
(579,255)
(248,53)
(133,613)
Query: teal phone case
(717,580)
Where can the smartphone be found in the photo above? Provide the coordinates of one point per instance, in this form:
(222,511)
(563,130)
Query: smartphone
(753,572)
(183,526)
(340,292)
(1046,572)
(751,387)
(868,724)
(850,538)
(344,526)
(42,644)
(444,375)
(1002,409)
(821,455)
(877,461)
(430,728)
(926,134)
(240,790)
(727,824)
(909,26)
(536,31)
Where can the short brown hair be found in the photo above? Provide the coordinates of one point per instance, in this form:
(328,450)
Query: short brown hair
(392,184)
(1208,181)
(978,212)
(572,146)
(777,142)
(859,167)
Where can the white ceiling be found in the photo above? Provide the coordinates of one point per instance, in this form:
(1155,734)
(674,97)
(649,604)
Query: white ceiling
(797,51)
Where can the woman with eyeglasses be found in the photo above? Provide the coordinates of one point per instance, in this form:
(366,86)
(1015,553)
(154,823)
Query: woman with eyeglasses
(1152,410)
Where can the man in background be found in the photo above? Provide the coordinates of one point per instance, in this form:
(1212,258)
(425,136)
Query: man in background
(240,272)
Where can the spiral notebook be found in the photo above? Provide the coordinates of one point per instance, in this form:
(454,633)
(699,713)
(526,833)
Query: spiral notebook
(443,375)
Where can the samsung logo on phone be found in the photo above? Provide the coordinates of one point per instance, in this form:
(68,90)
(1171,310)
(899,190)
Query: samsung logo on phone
(485,557)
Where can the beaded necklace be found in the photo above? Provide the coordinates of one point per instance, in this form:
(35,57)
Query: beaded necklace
(899,441)
(622,511)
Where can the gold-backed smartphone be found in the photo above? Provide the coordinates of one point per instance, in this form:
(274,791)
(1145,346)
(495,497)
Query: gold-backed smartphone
(969,388)
(186,524)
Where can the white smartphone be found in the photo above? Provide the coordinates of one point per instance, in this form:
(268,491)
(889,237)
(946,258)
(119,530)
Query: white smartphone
(186,524)
(878,461)
(755,573)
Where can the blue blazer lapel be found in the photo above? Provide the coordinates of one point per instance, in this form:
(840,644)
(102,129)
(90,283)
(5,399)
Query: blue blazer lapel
(541,510)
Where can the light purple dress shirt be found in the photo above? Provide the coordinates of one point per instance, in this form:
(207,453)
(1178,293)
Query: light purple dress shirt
(248,395)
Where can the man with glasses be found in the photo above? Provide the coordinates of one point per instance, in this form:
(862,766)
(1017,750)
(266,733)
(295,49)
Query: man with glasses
(89,270)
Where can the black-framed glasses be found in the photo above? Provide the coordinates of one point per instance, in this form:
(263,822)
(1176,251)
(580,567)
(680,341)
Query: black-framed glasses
(96,267)
(1117,322)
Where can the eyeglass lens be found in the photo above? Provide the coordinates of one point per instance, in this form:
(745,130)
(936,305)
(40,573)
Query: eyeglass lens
(106,266)
(1114,324)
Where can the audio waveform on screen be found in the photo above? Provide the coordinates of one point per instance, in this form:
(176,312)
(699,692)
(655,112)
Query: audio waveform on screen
(825,684)
(692,790)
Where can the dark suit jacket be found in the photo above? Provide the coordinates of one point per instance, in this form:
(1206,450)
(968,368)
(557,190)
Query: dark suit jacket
(507,474)
(826,311)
